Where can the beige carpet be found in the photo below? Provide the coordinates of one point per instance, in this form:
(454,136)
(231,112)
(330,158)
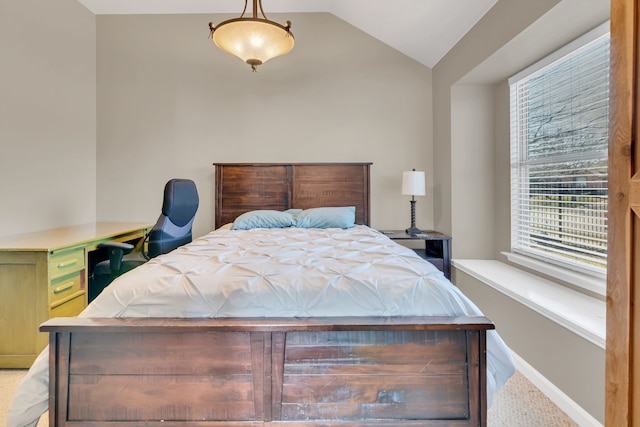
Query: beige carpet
(9,379)
(518,404)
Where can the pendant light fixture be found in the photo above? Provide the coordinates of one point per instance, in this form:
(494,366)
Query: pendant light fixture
(255,40)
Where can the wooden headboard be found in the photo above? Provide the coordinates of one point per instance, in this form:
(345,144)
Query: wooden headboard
(243,187)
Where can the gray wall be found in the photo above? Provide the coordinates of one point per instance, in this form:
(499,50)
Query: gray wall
(505,21)
(472,196)
(170,104)
(472,168)
(47,115)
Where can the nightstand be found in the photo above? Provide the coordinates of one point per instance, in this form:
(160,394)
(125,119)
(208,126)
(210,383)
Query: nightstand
(437,247)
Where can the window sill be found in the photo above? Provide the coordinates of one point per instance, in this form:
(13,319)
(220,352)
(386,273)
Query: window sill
(582,314)
(597,285)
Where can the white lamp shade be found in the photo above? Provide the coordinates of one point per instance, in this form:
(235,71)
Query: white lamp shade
(413,183)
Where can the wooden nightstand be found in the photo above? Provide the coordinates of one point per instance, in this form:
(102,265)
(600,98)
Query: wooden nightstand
(437,247)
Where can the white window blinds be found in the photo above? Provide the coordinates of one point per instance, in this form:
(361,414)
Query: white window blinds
(559,138)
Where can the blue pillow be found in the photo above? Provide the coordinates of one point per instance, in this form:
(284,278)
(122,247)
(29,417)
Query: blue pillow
(263,219)
(329,217)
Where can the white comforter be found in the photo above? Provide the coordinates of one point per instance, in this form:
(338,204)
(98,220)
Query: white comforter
(288,272)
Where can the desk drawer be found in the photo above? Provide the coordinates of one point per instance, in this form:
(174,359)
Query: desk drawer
(66,262)
(64,289)
(70,308)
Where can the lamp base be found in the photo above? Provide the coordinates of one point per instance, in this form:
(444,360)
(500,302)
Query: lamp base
(412,231)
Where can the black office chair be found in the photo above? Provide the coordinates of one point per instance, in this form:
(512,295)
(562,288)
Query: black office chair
(173,229)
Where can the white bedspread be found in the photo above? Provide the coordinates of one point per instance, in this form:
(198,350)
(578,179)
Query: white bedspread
(276,273)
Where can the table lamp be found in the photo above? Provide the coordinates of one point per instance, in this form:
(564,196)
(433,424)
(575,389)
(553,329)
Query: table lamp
(413,185)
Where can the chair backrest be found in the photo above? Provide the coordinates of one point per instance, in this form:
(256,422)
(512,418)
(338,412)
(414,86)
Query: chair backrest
(174,226)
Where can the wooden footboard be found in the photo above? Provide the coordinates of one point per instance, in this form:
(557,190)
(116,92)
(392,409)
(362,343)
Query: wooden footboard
(404,371)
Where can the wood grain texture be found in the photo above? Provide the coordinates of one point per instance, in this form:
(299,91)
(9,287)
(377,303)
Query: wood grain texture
(24,304)
(332,185)
(622,239)
(243,187)
(633,246)
(380,375)
(232,372)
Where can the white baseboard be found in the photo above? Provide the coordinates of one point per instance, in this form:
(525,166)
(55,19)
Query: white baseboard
(564,402)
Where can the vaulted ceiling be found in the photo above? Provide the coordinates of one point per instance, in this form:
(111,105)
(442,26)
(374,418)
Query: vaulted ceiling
(424,30)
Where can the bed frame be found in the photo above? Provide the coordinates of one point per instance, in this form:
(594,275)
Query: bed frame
(329,372)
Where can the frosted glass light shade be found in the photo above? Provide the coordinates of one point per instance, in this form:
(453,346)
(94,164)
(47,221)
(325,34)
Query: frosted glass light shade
(413,183)
(253,40)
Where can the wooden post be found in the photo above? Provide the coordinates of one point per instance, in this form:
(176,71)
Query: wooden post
(623,342)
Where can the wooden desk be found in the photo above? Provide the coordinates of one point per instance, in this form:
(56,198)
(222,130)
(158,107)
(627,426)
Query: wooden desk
(44,275)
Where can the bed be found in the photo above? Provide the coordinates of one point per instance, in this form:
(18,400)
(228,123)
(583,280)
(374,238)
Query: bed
(287,325)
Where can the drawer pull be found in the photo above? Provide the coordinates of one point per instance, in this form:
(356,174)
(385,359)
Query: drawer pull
(64,287)
(66,264)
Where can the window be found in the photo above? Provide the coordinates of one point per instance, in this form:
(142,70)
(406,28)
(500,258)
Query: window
(559,140)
